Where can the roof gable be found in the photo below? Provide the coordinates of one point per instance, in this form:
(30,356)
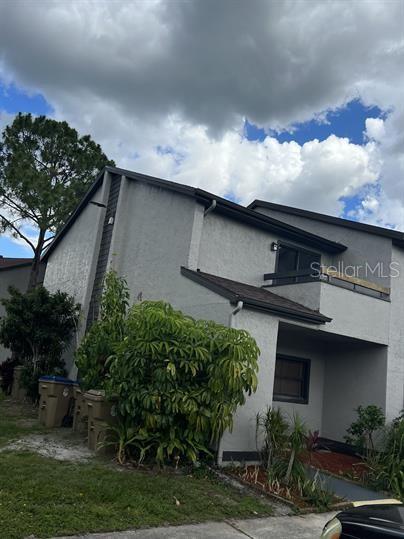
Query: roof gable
(223,206)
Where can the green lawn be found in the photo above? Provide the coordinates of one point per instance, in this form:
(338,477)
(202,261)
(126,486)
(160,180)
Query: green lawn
(47,498)
(16,421)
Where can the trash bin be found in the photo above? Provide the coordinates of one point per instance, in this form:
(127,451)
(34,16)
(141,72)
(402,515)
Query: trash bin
(56,394)
(101,415)
(98,433)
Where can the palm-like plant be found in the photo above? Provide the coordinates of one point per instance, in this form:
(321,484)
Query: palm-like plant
(297,439)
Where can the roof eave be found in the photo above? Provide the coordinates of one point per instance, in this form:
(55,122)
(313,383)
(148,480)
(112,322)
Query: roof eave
(253,304)
(396,236)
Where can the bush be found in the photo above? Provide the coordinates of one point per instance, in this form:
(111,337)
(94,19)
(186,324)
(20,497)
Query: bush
(7,374)
(99,343)
(178,380)
(282,456)
(361,432)
(275,432)
(37,328)
(387,466)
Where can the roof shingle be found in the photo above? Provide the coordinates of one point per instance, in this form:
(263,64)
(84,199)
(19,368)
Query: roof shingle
(255,297)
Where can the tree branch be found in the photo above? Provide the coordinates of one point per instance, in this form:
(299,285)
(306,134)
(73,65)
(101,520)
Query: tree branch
(49,239)
(20,234)
(14,206)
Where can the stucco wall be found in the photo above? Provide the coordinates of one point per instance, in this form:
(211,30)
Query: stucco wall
(235,250)
(264,328)
(71,266)
(395,364)
(151,241)
(312,412)
(362,246)
(353,376)
(307,294)
(355,315)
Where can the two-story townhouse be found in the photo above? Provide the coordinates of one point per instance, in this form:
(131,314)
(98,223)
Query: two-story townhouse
(329,340)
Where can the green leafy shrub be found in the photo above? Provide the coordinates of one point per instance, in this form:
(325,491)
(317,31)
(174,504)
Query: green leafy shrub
(37,328)
(315,494)
(297,440)
(7,374)
(99,343)
(179,380)
(282,449)
(361,432)
(274,429)
(387,466)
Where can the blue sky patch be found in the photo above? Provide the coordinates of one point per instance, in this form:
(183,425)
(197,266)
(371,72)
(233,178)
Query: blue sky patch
(14,99)
(348,122)
(10,248)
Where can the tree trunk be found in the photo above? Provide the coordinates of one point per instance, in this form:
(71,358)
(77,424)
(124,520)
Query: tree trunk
(36,263)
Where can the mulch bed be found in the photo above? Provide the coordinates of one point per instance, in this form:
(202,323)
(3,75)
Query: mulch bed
(337,464)
(256,477)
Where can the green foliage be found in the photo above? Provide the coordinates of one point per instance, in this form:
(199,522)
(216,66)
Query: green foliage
(180,380)
(45,169)
(282,449)
(387,466)
(6,374)
(37,328)
(361,432)
(99,342)
(274,428)
(297,440)
(315,494)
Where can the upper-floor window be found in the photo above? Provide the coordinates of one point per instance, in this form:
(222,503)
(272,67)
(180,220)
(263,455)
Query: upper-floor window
(292,258)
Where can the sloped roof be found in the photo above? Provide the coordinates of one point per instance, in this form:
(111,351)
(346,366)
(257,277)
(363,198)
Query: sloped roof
(223,206)
(255,297)
(8,263)
(395,235)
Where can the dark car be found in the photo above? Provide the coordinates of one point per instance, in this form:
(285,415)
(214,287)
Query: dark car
(373,521)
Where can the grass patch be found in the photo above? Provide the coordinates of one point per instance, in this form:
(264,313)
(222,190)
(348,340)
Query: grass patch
(46,498)
(16,421)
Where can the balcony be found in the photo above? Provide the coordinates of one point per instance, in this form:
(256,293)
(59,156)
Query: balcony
(358,308)
(329,276)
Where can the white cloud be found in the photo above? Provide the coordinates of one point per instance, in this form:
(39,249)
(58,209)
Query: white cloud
(184,75)
(375,129)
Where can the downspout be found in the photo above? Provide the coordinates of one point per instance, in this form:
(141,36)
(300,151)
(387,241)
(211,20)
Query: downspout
(240,305)
(210,208)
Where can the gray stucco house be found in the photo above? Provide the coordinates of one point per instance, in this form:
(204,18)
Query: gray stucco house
(330,339)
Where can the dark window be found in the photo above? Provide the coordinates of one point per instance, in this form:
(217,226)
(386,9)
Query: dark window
(292,377)
(291,258)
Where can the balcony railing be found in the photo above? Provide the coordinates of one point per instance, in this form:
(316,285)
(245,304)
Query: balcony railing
(329,276)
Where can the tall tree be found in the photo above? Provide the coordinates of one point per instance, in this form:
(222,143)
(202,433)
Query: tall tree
(45,169)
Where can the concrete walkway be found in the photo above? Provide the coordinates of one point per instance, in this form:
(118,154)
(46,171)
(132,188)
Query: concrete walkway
(347,489)
(296,527)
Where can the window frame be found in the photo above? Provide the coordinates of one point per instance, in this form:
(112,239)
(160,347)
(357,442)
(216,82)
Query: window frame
(305,382)
(298,249)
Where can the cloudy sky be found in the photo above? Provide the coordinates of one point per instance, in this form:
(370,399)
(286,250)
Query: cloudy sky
(297,102)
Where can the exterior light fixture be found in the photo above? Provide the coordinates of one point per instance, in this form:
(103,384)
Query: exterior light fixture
(274,246)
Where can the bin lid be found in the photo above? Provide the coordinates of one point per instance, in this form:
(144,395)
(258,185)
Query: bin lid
(57,379)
